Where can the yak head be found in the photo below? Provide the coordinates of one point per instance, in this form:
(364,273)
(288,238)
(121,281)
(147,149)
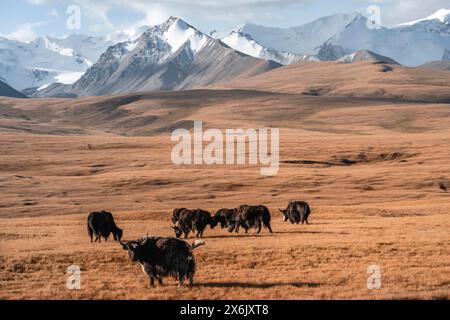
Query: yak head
(134,248)
(117,234)
(176,214)
(285,214)
(178,231)
(213,222)
(218,219)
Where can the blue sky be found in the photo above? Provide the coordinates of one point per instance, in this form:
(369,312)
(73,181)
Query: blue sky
(26,19)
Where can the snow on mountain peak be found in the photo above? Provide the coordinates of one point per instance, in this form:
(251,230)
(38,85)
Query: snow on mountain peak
(243,43)
(173,34)
(179,32)
(442,15)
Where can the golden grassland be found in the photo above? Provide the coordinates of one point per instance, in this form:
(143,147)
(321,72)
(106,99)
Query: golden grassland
(369,169)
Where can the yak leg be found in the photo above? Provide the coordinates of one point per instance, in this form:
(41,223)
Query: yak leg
(159,280)
(180,280)
(152,281)
(270,229)
(258,226)
(191,280)
(306,221)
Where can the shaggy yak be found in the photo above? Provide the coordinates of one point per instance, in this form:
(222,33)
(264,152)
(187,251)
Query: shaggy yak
(249,217)
(193,220)
(101,224)
(223,215)
(160,257)
(296,212)
(176,214)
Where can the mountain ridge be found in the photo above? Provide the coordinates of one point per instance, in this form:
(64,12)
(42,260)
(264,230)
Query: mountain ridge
(171,56)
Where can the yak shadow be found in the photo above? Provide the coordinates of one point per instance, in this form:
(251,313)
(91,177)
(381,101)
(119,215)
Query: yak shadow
(238,235)
(310,232)
(262,285)
(262,235)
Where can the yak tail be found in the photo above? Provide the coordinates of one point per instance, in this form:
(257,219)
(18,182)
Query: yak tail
(89,228)
(197,243)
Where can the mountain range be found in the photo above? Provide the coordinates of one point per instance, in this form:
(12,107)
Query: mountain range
(175,55)
(170,56)
(333,37)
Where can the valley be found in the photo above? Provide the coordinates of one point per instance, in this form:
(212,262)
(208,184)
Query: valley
(369,165)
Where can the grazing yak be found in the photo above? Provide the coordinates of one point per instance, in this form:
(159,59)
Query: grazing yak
(176,214)
(296,212)
(249,217)
(222,216)
(101,224)
(193,220)
(160,257)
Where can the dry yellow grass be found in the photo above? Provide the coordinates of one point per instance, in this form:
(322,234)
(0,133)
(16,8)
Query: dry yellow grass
(386,209)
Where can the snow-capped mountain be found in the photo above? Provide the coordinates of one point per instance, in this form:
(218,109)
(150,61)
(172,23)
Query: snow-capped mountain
(300,40)
(245,44)
(170,56)
(442,16)
(80,45)
(33,64)
(333,37)
(46,60)
(411,44)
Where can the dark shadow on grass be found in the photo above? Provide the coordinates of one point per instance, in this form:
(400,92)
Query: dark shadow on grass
(263,285)
(235,235)
(306,231)
(262,234)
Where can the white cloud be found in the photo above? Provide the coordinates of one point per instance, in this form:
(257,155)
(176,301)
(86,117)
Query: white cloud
(25,32)
(209,13)
(38,2)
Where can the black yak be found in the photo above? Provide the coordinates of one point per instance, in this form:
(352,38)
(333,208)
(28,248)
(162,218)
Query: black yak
(193,220)
(296,212)
(101,224)
(222,216)
(250,217)
(176,214)
(160,257)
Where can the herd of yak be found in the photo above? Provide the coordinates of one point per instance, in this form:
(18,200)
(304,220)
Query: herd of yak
(165,256)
